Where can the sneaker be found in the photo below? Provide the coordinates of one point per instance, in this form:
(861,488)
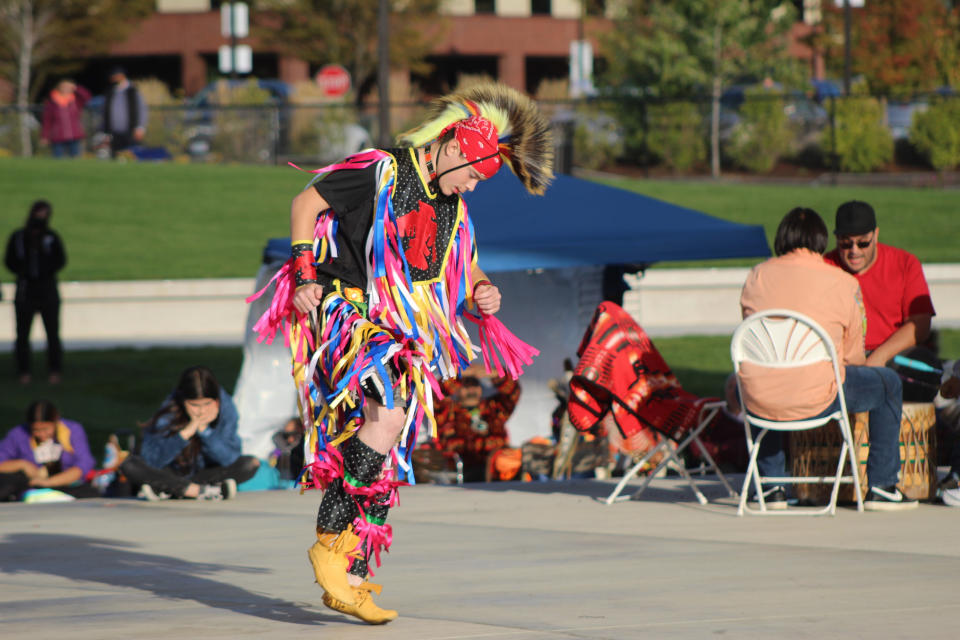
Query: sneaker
(147,493)
(229,489)
(888,499)
(951,497)
(210,492)
(775,498)
(951,481)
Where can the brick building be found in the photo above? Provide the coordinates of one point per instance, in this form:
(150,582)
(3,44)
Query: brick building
(520,42)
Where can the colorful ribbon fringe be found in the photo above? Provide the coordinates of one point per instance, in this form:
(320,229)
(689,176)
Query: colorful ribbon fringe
(414,328)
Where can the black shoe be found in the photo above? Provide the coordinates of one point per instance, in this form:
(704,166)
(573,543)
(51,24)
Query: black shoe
(888,499)
(951,481)
(775,498)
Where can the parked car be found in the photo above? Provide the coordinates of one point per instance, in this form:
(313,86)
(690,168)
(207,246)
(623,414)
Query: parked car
(202,108)
(900,112)
(808,117)
(270,129)
(900,116)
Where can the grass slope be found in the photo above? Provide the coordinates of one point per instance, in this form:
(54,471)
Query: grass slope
(923,221)
(145,221)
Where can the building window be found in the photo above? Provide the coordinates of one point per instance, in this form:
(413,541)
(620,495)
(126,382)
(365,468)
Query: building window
(540,7)
(595,7)
(485,6)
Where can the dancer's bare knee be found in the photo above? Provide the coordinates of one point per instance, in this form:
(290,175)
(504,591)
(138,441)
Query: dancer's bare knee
(382,426)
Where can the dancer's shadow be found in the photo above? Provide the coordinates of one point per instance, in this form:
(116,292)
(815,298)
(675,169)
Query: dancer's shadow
(116,563)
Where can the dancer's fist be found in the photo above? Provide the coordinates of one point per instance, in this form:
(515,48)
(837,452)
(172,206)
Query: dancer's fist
(487,298)
(308,297)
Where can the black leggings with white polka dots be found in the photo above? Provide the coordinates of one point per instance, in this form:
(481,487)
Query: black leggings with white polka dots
(338,509)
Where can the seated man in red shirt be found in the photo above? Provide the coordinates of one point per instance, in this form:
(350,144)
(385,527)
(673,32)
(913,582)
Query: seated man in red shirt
(474,426)
(895,292)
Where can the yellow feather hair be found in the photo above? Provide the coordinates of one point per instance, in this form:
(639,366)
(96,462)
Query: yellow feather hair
(526,139)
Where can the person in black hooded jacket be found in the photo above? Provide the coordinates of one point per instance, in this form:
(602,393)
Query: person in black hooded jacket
(35,254)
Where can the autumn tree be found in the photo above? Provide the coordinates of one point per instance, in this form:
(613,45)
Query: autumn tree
(345,32)
(899,46)
(683,48)
(40,37)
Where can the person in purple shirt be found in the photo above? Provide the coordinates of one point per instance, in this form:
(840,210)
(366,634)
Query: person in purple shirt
(191,448)
(45,451)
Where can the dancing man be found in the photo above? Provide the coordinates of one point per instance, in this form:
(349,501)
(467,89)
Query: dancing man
(383,271)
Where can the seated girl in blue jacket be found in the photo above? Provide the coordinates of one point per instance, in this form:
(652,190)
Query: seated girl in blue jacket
(190,447)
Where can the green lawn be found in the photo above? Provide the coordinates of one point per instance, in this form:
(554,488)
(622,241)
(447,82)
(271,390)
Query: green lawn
(147,221)
(141,220)
(924,221)
(120,388)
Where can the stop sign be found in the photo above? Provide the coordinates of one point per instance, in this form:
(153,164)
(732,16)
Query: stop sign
(334,80)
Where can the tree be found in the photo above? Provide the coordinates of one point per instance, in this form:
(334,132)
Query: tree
(948,50)
(345,32)
(39,37)
(899,46)
(682,48)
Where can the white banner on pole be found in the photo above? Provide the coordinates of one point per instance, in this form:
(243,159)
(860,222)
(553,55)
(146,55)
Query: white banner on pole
(244,58)
(240,13)
(581,69)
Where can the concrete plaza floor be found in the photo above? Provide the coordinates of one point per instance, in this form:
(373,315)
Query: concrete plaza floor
(499,561)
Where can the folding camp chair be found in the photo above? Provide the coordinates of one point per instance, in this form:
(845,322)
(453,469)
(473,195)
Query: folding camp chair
(782,339)
(620,372)
(693,416)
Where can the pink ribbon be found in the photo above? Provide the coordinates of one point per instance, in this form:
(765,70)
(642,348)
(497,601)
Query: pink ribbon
(326,468)
(377,537)
(383,486)
(496,338)
(360,160)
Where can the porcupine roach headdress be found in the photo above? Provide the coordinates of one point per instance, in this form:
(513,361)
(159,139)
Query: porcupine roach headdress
(520,132)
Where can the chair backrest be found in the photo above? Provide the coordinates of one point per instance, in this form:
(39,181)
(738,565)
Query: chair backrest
(782,339)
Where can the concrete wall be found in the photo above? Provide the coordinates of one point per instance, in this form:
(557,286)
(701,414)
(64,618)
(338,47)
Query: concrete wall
(145,312)
(706,301)
(197,312)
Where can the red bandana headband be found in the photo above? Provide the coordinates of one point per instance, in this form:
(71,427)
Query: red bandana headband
(479,143)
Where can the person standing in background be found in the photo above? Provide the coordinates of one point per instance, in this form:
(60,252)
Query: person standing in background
(35,254)
(62,119)
(124,113)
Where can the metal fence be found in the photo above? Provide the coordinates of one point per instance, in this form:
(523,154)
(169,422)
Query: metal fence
(642,132)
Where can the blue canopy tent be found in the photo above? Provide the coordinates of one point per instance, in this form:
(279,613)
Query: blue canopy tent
(578,222)
(547,254)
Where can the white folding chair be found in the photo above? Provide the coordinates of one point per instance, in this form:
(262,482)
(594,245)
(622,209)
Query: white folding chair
(783,339)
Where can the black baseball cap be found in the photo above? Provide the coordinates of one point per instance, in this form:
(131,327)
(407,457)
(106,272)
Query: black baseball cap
(855,218)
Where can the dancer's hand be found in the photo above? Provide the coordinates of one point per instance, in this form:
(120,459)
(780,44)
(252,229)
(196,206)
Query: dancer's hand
(308,297)
(487,298)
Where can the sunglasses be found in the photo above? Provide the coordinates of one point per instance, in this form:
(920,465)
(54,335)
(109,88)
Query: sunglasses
(848,244)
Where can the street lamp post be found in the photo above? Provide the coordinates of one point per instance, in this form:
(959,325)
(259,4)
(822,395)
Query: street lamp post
(383,70)
(846,47)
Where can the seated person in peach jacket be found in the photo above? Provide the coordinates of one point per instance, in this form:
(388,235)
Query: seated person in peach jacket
(799,279)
